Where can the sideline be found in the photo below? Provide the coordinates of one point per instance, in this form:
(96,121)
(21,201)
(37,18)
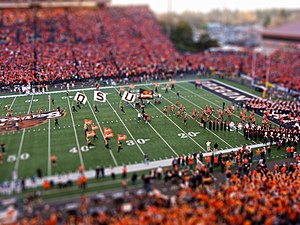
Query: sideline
(130,168)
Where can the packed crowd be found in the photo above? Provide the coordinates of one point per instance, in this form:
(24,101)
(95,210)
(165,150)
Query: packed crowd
(46,46)
(259,196)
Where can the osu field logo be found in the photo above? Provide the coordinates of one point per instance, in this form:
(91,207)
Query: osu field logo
(13,123)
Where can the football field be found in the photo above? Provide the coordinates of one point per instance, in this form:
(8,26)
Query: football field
(164,137)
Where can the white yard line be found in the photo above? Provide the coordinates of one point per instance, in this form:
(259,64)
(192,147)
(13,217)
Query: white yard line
(49,140)
(10,107)
(110,151)
(179,128)
(157,133)
(21,142)
(137,144)
(76,136)
(198,122)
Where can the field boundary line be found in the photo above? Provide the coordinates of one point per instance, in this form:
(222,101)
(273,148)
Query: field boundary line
(93,88)
(137,144)
(76,136)
(227,85)
(16,167)
(110,151)
(157,133)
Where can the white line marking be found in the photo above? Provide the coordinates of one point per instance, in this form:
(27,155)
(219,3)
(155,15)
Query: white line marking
(21,142)
(112,155)
(198,122)
(179,128)
(206,100)
(76,137)
(49,141)
(156,133)
(10,107)
(137,144)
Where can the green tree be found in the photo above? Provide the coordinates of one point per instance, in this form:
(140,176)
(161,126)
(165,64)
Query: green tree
(267,20)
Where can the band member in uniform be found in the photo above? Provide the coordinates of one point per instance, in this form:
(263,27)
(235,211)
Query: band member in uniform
(86,129)
(185,118)
(73,109)
(56,122)
(178,113)
(89,142)
(172,108)
(165,110)
(209,124)
(96,108)
(78,105)
(122,108)
(119,146)
(107,143)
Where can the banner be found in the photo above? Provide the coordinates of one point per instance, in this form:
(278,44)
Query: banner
(122,137)
(128,97)
(95,127)
(107,130)
(88,122)
(99,96)
(79,97)
(90,133)
(146,94)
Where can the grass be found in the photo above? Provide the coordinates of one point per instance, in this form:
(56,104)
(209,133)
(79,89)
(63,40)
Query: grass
(30,149)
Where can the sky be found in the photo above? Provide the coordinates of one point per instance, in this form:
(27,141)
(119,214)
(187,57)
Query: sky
(161,6)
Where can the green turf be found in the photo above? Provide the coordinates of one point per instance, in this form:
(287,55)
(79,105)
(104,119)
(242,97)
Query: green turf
(163,134)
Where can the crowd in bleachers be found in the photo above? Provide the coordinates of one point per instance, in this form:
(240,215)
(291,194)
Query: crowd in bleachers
(259,196)
(42,45)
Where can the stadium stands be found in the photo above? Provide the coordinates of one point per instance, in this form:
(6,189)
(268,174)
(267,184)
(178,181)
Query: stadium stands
(46,46)
(261,196)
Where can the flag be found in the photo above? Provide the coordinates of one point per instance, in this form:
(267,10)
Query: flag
(198,81)
(95,127)
(99,96)
(90,133)
(131,86)
(79,97)
(122,137)
(107,130)
(173,81)
(88,122)
(168,84)
(122,89)
(146,94)
(108,135)
(128,97)
(156,84)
